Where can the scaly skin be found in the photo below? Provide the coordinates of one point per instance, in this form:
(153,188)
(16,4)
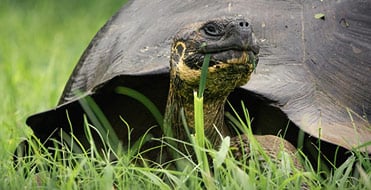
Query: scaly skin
(272,145)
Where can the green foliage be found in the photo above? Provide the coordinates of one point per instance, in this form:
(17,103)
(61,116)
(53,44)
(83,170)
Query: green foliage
(41,41)
(92,168)
(199,139)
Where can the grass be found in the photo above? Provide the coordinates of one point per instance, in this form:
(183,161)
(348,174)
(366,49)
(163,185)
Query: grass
(41,42)
(90,168)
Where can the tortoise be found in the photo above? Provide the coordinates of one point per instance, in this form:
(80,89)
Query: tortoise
(313,72)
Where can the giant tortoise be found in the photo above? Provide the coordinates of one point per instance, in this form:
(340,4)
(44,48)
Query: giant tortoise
(314,67)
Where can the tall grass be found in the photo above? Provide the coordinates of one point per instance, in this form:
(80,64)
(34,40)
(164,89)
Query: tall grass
(92,168)
(40,42)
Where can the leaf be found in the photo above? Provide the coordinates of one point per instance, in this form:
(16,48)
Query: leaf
(204,69)
(222,153)
(319,16)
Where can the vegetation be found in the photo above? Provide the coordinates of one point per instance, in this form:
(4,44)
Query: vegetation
(41,43)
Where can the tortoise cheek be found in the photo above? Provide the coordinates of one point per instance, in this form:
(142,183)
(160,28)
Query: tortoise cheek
(177,52)
(179,48)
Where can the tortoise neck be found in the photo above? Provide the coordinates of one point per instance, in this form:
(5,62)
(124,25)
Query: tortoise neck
(181,98)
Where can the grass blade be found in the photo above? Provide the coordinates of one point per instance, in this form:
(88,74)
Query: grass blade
(99,120)
(205,66)
(144,100)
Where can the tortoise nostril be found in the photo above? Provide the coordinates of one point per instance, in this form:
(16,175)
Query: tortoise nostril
(244,24)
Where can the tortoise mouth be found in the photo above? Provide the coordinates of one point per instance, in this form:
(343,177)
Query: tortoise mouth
(232,57)
(217,48)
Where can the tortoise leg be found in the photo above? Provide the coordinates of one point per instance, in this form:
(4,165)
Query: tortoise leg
(272,145)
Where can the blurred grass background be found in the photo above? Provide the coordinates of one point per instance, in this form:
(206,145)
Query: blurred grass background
(40,43)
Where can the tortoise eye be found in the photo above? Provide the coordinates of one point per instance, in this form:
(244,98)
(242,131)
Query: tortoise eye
(212,29)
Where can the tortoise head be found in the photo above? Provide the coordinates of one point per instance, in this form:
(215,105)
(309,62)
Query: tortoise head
(232,48)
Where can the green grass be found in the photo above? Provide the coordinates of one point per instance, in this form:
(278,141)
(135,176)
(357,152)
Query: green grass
(90,168)
(40,42)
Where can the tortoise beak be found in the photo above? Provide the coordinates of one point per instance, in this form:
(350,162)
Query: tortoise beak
(238,37)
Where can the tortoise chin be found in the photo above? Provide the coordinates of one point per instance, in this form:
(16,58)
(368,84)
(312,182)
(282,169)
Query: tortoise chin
(224,76)
(227,69)
(233,65)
